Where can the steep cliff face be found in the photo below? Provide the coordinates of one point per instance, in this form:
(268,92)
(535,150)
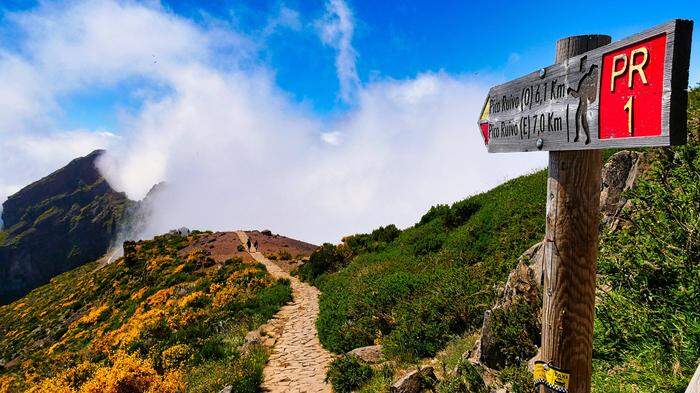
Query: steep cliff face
(57,223)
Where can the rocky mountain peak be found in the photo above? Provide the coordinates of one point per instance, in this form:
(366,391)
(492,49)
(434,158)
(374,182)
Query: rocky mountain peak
(78,173)
(55,224)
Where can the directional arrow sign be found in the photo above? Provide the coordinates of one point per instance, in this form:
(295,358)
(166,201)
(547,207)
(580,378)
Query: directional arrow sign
(630,93)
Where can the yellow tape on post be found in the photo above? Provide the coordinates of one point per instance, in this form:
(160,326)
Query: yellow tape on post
(551,377)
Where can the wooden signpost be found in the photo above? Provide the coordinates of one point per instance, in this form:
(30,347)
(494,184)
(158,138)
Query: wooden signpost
(598,95)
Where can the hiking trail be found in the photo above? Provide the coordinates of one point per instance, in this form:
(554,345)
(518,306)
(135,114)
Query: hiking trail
(298,362)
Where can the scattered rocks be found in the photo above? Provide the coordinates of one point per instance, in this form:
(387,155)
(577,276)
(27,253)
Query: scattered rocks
(183,232)
(370,354)
(252,338)
(227,389)
(415,381)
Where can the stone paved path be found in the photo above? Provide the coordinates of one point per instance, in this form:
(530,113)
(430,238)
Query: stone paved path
(298,362)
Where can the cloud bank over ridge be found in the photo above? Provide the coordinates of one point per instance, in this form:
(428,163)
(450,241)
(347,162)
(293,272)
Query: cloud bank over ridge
(234,148)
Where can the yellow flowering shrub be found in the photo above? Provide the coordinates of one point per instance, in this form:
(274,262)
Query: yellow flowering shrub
(194,299)
(6,383)
(138,294)
(53,385)
(128,374)
(78,375)
(177,356)
(158,261)
(144,321)
(93,316)
(213,288)
(159,297)
(226,296)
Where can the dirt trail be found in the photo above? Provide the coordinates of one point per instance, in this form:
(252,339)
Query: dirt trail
(298,362)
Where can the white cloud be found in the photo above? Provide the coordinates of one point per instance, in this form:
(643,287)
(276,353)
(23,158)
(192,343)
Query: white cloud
(285,18)
(234,149)
(27,157)
(336,30)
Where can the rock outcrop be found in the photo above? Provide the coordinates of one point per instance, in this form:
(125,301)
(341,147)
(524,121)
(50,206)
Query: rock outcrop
(524,285)
(619,175)
(415,381)
(62,221)
(371,354)
(522,291)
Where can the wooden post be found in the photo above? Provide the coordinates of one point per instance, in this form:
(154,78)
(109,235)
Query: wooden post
(571,249)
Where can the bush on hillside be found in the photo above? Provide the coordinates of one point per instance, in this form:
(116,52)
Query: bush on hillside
(348,373)
(422,327)
(519,378)
(284,255)
(374,241)
(435,212)
(451,217)
(466,378)
(650,311)
(330,258)
(514,334)
(327,258)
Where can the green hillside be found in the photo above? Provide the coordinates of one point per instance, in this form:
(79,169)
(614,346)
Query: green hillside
(158,320)
(422,288)
(436,279)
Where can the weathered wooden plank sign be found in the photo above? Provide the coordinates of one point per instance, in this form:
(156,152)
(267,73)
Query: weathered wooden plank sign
(630,93)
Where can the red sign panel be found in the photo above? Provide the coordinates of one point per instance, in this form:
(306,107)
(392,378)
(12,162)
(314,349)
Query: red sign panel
(631,89)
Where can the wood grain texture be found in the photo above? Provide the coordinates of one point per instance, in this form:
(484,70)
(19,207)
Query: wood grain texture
(571,249)
(569,72)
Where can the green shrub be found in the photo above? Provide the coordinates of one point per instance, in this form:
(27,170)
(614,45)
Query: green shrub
(519,378)
(325,259)
(647,318)
(284,255)
(244,374)
(348,373)
(435,212)
(330,258)
(428,244)
(515,333)
(467,378)
(451,217)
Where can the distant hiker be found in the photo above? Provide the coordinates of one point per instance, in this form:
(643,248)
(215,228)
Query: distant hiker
(248,243)
(256,245)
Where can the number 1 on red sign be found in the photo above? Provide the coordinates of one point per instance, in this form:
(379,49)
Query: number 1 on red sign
(630,114)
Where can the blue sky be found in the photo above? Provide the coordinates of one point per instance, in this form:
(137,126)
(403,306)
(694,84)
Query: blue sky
(397,39)
(313,118)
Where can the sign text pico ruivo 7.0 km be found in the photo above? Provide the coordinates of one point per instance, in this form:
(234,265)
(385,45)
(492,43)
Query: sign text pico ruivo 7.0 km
(628,93)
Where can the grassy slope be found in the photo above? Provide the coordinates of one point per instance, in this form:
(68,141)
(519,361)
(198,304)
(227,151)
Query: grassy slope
(647,335)
(156,321)
(434,281)
(437,278)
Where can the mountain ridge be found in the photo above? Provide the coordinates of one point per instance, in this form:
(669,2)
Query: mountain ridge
(59,222)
